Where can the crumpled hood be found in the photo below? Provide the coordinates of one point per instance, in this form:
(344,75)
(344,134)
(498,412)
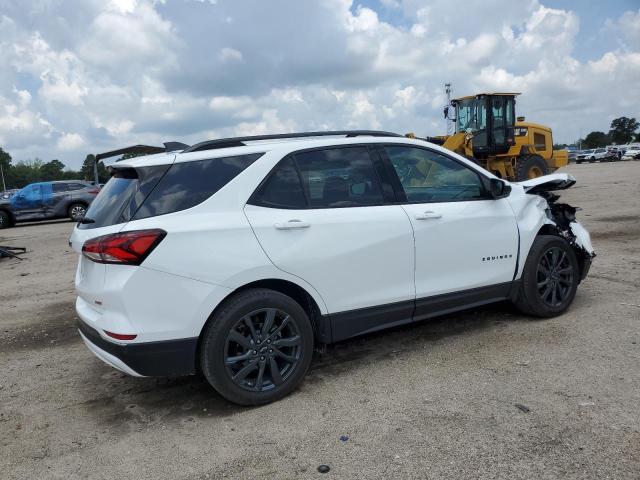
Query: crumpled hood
(547,183)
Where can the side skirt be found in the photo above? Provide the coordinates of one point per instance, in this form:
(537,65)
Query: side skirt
(366,320)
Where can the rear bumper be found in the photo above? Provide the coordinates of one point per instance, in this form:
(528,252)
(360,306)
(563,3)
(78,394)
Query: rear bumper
(149,359)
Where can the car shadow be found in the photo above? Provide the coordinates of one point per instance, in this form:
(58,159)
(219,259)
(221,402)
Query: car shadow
(148,400)
(43,222)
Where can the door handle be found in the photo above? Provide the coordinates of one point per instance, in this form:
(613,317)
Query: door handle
(428,215)
(291,224)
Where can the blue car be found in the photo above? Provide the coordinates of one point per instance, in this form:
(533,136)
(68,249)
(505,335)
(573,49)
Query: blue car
(47,200)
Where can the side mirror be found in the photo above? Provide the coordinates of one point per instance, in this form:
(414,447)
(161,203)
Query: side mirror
(499,188)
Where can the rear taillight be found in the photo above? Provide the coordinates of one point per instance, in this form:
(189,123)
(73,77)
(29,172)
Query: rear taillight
(94,191)
(125,248)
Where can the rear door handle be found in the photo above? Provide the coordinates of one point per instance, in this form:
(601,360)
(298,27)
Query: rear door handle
(428,215)
(291,224)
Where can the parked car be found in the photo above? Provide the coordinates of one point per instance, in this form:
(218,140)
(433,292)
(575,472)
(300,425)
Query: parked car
(235,257)
(573,155)
(614,152)
(631,153)
(47,200)
(592,155)
(5,195)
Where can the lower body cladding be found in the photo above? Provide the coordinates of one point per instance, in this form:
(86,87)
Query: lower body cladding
(149,359)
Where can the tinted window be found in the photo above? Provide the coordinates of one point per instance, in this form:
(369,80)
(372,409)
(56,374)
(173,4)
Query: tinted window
(112,204)
(339,177)
(76,186)
(190,183)
(59,187)
(282,188)
(427,176)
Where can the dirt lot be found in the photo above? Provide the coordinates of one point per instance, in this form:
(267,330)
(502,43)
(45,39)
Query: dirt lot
(434,400)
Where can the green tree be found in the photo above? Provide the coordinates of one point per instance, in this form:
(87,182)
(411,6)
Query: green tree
(5,163)
(86,171)
(595,140)
(53,170)
(623,130)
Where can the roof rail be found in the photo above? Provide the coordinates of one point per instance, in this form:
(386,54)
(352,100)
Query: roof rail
(240,141)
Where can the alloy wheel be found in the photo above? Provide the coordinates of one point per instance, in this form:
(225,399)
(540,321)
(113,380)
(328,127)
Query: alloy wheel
(78,212)
(555,276)
(262,349)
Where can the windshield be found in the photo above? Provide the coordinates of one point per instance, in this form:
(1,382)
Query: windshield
(471,115)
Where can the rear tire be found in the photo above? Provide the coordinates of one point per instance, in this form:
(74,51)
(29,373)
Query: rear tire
(550,278)
(5,220)
(530,166)
(77,211)
(257,347)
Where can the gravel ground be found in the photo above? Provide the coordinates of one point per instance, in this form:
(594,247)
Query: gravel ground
(432,400)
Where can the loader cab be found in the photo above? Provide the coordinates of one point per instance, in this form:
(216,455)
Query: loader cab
(490,119)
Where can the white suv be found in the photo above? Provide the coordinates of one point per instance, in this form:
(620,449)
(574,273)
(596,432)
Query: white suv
(236,257)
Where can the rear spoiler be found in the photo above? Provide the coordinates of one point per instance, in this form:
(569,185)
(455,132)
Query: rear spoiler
(138,150)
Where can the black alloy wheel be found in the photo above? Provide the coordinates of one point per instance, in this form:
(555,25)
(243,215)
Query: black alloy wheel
(550,278)
(262,349)
(257,346)
(554,277)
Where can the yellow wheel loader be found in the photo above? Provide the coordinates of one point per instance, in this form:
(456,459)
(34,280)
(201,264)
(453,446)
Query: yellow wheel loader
(488,132)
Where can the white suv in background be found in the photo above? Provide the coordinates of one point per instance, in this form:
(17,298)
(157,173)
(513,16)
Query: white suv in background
(235,257)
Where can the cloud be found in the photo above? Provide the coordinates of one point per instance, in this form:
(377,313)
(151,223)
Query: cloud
(70,141)
(83,76)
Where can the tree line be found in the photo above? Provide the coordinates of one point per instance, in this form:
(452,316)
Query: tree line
(621,131)
(23,173)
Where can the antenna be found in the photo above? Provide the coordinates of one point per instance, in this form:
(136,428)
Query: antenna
(450,125)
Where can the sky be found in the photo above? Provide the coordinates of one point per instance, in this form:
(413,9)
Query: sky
(87,76)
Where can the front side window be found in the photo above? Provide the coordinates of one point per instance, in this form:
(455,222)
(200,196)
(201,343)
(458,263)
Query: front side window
(428,176)
(339,177)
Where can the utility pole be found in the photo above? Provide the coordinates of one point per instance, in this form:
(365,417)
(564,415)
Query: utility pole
(4,187)
(450,129)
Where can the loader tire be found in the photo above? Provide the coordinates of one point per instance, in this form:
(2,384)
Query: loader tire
(530,166)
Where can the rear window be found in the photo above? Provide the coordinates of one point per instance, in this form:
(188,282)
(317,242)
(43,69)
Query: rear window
(150,191)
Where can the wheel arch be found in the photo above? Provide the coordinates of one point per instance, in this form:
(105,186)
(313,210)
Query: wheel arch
(12,217)
(319,322)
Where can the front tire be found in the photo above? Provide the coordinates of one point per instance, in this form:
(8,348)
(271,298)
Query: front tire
(530,166)
(550,278)
(5,220)
(257,347)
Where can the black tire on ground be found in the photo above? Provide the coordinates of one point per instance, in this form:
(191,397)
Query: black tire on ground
(259,361)
(547,290)
(5,220)
(76,211)
(528,164)
(578,162)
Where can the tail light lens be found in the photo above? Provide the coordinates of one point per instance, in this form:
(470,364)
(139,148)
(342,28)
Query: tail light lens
(121,336)
(94,191)
(126,248)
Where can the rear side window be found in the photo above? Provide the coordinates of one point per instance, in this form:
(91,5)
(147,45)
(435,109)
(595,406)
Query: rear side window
(282,189)
(187,184)
(75,186)
(339,177)
(59,187)
(132,194)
